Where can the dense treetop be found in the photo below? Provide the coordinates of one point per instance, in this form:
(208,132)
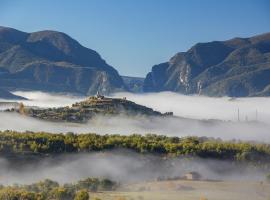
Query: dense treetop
(48,190)
(42,143)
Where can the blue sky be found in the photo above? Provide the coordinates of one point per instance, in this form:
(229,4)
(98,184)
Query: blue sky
(133,35)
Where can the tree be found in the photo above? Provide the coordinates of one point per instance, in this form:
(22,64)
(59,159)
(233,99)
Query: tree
(14,194)
(268,178)
(82,195)
(21,109)
(61,193)
(106,184)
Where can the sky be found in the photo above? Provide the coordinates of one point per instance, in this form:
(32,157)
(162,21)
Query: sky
(134,35)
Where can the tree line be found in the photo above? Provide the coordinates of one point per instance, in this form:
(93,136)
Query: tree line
(17,143)
(51,190)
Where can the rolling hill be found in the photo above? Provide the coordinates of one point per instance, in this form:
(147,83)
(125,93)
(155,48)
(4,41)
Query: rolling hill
(83,111)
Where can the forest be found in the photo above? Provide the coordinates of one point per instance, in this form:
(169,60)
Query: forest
(14,143)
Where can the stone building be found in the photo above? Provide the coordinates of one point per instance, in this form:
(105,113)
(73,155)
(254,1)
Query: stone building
(192,176)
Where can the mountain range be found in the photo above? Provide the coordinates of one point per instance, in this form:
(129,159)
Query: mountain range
(4,94)
(133,84)
(53,61)
(238,67)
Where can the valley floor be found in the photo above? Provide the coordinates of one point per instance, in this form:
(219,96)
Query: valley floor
(190,190)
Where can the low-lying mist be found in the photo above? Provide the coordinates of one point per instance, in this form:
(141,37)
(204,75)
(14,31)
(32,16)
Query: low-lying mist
(42,99)
(142,125)
(195,109)
(192,114)
(122,166)
(202,107)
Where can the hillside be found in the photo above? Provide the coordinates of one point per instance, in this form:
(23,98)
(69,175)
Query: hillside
(7,95)
(134,84)
(53,61)
(238,67)
(85,110)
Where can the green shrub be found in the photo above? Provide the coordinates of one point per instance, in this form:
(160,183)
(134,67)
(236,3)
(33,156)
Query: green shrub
(82,195)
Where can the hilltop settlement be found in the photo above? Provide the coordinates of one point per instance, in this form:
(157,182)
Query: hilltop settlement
(83,111)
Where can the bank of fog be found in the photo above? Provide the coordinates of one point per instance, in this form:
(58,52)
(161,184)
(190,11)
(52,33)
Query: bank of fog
(121,166)
(126,125)
(194,107)
(193,113)
(202,107)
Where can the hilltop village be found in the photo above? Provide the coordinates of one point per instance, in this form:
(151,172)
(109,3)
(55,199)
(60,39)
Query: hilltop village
(83,111)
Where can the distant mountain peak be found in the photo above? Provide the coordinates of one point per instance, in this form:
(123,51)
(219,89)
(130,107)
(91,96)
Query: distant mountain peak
(58,39)
(11,35)
(236,67)
(52,60)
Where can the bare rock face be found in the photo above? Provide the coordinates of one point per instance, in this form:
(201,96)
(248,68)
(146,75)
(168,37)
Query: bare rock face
(237,67)
(134,84)
(53,61)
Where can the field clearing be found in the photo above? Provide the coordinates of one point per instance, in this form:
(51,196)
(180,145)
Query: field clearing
(190,190)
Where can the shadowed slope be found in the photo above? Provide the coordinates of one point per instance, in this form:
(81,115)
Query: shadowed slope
(53,61)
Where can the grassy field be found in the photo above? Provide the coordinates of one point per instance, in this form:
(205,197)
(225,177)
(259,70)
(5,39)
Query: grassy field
(190,190)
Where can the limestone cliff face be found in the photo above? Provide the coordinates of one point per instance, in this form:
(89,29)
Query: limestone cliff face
(53,61)
(237,67)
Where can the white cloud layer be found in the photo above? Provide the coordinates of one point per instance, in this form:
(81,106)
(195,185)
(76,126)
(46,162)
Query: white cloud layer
(194,109)
(120,166)
(202,107)
(192,112)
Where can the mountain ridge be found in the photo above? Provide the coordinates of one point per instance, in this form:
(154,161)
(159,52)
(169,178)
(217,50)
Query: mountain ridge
(8,95)
(134,84)
(53,61)
(43,59)
(235,67)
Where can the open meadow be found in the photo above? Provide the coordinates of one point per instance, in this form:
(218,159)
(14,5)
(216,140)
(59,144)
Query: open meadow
(190,190)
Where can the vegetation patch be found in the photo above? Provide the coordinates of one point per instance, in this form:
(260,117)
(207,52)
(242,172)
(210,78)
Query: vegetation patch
(42,143)
(48,190)
(85,110)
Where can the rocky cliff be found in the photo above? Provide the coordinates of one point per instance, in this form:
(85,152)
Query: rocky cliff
(53,61)
(237,67)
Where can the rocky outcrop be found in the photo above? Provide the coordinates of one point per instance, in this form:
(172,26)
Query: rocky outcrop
(237,67)
(133,84)
(89,108)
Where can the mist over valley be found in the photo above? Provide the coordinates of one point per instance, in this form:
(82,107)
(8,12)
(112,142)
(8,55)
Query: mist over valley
(193,116)
(135,100)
